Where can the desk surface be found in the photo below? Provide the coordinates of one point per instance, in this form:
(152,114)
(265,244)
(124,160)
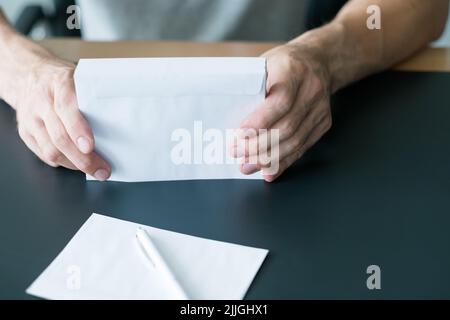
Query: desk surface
(375,190)
(429,59)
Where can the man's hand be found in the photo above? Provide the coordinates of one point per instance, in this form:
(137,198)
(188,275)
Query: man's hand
(297,104)
(40,87)
(304,72)
(50,123)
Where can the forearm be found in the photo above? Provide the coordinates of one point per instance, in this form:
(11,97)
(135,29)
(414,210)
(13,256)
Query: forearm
(352,51)
(17,55)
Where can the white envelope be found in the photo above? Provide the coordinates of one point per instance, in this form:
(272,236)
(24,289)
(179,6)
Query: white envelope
(104,261)
(144,111)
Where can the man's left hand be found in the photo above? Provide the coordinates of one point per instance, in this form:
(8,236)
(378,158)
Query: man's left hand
(297,104)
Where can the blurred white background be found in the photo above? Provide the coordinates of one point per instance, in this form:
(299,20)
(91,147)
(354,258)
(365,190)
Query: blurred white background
(13,8)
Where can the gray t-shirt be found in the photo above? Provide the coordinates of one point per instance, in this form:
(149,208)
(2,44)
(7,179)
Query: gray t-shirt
(201,20)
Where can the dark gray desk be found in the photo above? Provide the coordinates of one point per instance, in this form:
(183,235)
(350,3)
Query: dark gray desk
(376,190)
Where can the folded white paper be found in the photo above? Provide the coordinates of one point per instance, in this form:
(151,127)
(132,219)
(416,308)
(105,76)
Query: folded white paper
(168,118)
(104,261)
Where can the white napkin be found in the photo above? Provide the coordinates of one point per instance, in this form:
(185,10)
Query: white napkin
(104,261)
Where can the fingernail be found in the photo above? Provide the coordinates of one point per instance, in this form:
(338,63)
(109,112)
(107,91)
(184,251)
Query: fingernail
(83,144)
(249,168)
(101,175)
(269,178)
(247,133)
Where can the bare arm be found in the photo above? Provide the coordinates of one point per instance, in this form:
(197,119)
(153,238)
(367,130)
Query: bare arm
(355,51)
(15,50)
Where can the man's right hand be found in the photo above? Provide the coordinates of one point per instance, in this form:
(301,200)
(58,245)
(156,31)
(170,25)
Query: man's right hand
(40,87)
(50,123)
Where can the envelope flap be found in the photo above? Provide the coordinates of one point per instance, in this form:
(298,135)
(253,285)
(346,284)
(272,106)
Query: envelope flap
(140,77)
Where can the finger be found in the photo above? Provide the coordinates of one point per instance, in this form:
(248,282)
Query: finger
(250,145)
(289,124)
(47,151)
(313,138)
(277,104)
(249,168)
(64,162)
(32,144)
(66,107)
(296,141)
(91,163)
(264,158)
(292,127)
(284,164)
